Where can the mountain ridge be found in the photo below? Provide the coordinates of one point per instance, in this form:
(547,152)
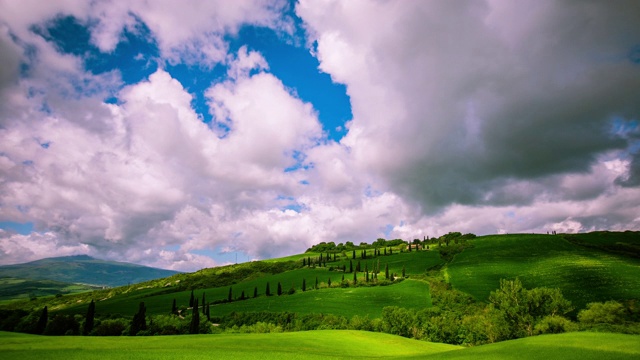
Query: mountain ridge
(84,269)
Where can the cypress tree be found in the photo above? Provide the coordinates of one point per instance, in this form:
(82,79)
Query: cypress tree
(139,321)
(354,254)
(316,283)
(350,266)
(191,299)
(390,251)
(320,257)
(208,312)
(342,277)
(385,251)
(279,288)
(355,278)
(344,268)
(386,271)
(194,327)
(329,282)
(304,262)
(358,266)
(304,285)
(88,322)
(403,271)
(393,277)
(334,256)
(174,307)
(409,247)
(230,297)
(267,291)
(42,321)
(242,295)
(203,302)
(255,292)
(367,275)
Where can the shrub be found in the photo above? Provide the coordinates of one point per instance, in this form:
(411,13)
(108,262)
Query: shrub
(112,327)
(610,312)
(554,324)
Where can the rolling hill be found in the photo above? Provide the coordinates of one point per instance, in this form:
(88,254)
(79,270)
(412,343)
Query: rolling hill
(83,269)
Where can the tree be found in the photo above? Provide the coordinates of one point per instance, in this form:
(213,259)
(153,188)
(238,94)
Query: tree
(242,295)
(304,262)
(255,292)
(355,278)
(208,312)
(367,275)
(230,297)
(386,271)
(403,271)
(304,285)
(174,307)
(139,321)
(267,290)
(350,266)
(191,299)
(358,266)
(88,321)
(279,288)
(203,302)
(42,321)
(194,327)
(329,282)
(354,254)
(316,283)
(523,308)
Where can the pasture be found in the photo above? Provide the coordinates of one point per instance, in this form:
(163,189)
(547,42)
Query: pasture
(583,274)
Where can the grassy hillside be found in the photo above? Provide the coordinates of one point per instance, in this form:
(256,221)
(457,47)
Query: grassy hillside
(327,344)
(84,270)
(14,288)
(584,274)
(301,345)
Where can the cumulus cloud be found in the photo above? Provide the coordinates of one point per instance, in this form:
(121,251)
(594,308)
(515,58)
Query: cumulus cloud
(481,103)
(472,116)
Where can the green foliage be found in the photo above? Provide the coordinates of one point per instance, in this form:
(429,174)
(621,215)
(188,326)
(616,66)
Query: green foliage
(554,324)
(110,327)
(62,325)
(610,312)
(139,321)
(89,319)
(523,308)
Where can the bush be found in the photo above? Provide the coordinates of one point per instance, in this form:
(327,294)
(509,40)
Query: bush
(111,327)
(554,324)
(62,325)
(610,312)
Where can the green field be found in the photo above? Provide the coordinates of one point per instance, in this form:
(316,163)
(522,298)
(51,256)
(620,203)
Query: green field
(583,274)
(368,300)
(21,289)
(325,344)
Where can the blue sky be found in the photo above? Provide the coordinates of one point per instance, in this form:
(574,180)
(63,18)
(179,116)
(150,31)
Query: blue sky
(180,136)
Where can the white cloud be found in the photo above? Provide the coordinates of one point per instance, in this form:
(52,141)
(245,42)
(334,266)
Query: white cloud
(471,107)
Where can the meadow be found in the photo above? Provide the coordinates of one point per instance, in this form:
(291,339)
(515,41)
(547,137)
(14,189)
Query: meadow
(584,274)
(325,344)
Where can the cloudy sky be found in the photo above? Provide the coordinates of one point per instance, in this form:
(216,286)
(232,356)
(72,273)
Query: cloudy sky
(183,134)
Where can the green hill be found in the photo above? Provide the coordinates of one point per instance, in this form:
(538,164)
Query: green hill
(83,269)
(14,288)
(584,273)
(326,344)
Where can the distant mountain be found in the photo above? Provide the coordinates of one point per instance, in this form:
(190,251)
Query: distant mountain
(83,269)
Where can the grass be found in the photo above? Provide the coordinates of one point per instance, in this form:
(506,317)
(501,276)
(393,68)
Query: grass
(583,274)
(362,301)
(580,346)
(159,300)
(326,344)
(15,288)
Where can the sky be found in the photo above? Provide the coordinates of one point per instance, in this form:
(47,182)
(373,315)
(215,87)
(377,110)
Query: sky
(193,134)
